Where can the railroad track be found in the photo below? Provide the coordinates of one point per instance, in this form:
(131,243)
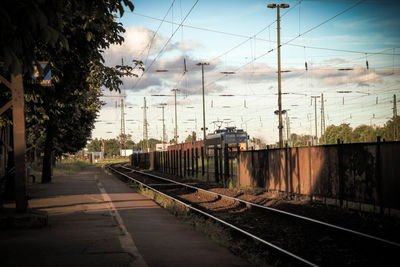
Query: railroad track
(301,239)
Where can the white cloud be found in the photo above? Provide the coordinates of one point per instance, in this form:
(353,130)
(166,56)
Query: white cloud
(137,40)
(357,75)
(188,45)
(140,41)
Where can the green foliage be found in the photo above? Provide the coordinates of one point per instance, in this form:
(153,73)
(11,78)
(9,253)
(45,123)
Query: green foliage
(191,137)
(112,147)
(68,167)
(342,132)
(141,145)
(363,133)
(300,140)
(391,130)
(94,145)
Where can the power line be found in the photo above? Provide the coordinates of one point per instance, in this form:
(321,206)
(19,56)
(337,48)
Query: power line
(309,30)
(155,33)
(165,45)
(248,38)
(325,21)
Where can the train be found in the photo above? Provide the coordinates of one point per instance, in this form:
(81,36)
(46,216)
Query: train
(236,139)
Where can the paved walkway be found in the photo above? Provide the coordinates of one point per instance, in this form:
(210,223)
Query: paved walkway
(96,220)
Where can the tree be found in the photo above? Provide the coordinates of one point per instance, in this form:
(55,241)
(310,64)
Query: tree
(79,73)
(94,145)
(363,133)
(391,130)
(111,147)
(300,140)
(258,142)
(342,132)
(152,144)
(191,137)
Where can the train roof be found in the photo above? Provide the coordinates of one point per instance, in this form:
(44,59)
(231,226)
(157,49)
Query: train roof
(227,130)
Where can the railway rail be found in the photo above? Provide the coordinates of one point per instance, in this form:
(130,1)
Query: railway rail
(358,250)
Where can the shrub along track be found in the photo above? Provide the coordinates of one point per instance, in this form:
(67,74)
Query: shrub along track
(313,241)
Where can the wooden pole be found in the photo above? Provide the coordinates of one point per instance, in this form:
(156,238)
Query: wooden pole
(17,90)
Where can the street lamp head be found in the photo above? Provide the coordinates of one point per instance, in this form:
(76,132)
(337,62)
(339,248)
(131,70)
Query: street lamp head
(202,63)
(271,5)
(284,5)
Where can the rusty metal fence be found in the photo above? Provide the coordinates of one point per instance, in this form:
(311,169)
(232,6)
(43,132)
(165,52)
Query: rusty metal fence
(363,176)
(216,165)
(348,174)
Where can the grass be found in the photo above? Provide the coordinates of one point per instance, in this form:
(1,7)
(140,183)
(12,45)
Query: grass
(63,167)
(71,166)
(105,161)
(68,167)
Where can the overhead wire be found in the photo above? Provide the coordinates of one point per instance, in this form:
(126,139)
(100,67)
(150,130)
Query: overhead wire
(162,50)
(155,33)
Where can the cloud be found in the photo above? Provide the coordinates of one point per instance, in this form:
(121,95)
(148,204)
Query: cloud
(188,45)
(168,73)
(357,75)
(140,42)
(137,40)
(335,61)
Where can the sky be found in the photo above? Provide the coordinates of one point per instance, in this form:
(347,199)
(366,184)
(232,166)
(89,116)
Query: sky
(335,39)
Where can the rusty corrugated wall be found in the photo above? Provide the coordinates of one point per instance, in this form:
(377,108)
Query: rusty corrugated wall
(365,173)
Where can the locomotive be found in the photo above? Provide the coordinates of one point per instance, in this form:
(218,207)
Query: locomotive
(236,139)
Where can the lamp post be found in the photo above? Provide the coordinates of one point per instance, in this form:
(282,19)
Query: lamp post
(162,106)
(278,7)
(204,105)
(176,117)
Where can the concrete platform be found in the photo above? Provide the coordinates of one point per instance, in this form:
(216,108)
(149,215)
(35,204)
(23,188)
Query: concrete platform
(97,220)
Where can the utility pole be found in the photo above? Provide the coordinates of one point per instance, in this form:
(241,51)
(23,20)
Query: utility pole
(322,117)
(145,130)
(176,117)
(204,105)
(162,106)
(123,138)
(394,107)
(279,68)
(315,112)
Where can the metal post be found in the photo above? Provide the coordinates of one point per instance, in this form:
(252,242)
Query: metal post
(204,105)
(216,165)
(202,160)
(279,80)
(197,161)
(162,106)
(192,155)
(226,165)
(176,117)
(220,155)
(280,127)
(180,163)
(184,163)
(315,115)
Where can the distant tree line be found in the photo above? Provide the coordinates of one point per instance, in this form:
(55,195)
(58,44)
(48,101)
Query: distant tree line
(112,147)
(390,131)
